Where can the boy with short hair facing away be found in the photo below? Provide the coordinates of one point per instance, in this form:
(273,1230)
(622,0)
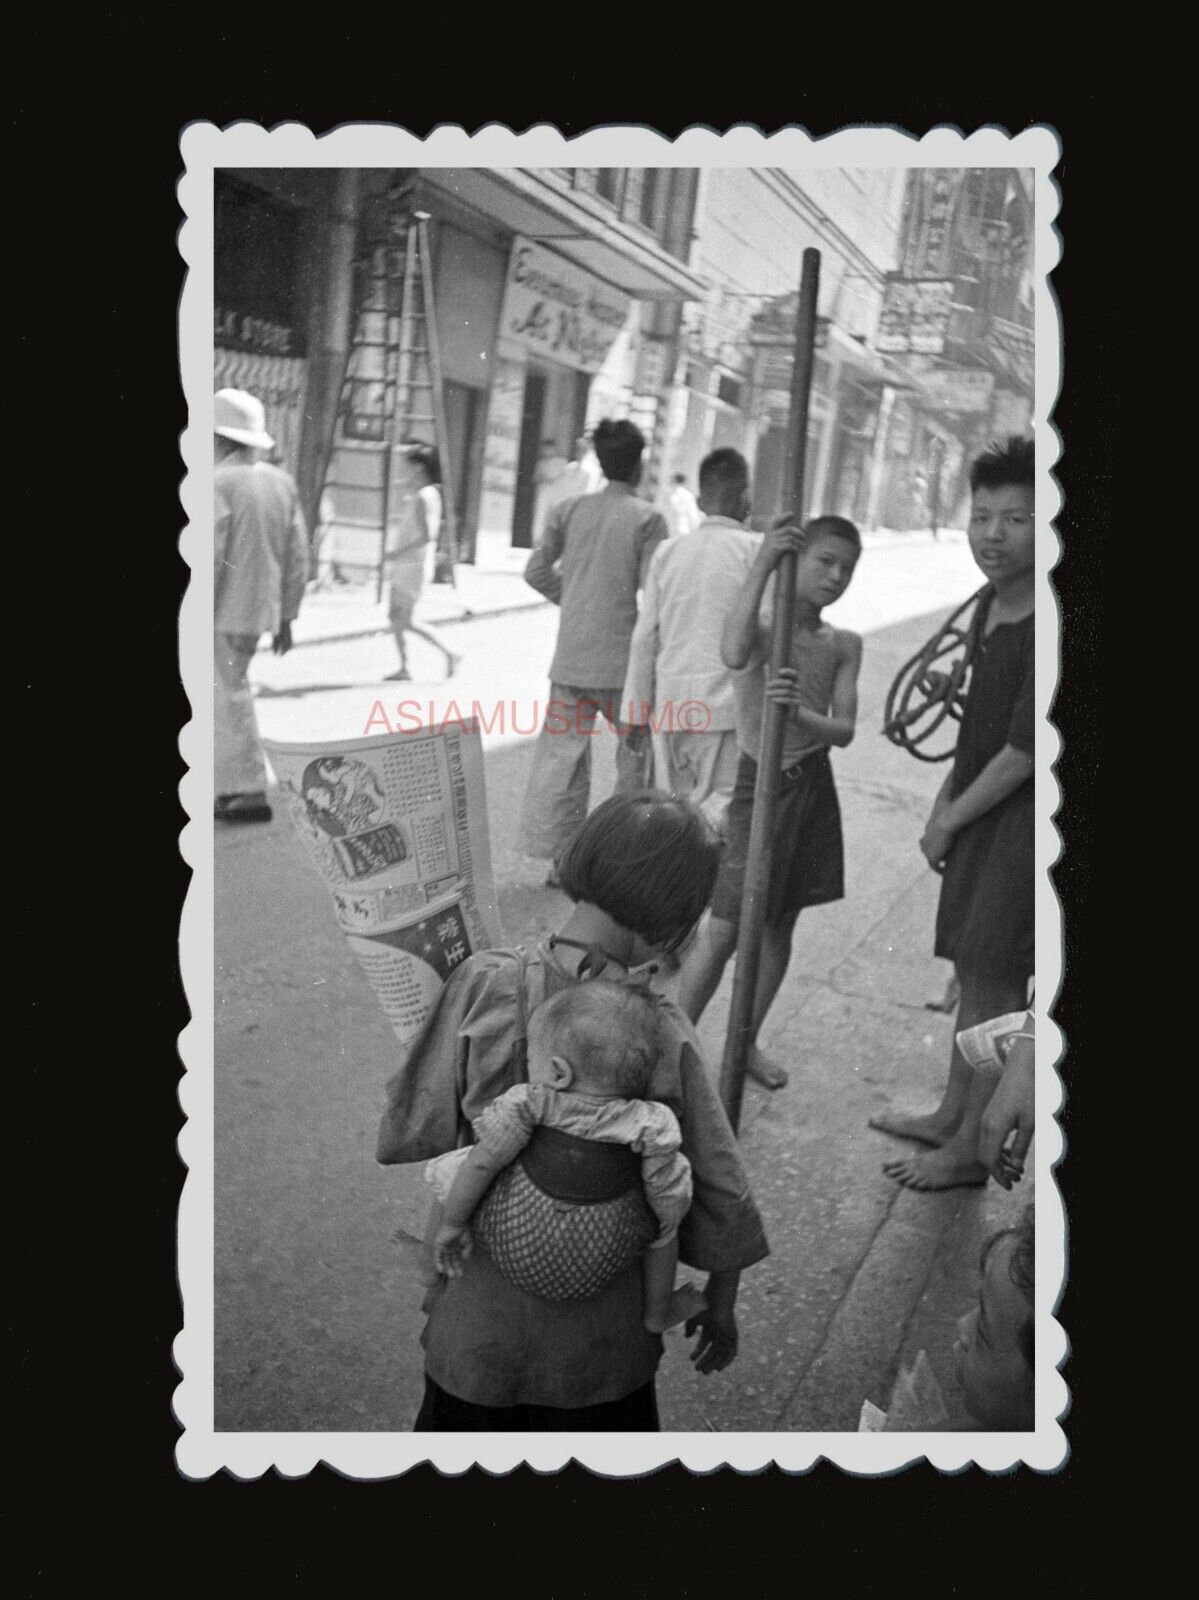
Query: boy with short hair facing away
(592,1051)
(819,688)
(980,832)
(591,560)
(676,680)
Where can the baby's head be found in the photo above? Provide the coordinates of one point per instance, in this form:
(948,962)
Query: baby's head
(995,1341)
(596,1038)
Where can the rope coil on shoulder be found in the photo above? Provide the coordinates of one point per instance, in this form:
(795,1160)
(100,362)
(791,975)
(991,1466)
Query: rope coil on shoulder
(931,687)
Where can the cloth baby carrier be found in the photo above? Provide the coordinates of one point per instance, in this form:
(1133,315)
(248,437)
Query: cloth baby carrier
(569,1215)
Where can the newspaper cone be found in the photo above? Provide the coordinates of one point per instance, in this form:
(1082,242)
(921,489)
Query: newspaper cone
(397,827)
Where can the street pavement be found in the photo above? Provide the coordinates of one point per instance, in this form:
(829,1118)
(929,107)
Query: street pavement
(317,1308)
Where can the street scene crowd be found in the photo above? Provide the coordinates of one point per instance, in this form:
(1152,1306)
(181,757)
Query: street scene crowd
(561,1102)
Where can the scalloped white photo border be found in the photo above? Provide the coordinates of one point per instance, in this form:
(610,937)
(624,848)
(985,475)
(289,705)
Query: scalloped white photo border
(201,1450)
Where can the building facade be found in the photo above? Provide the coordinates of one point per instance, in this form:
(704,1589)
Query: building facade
(668,295)
(957,320)
(555,293)
(732,384)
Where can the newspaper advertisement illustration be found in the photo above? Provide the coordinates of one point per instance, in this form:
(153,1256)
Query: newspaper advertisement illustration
(397,826)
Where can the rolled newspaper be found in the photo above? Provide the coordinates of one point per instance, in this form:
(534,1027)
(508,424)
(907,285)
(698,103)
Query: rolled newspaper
(397,826)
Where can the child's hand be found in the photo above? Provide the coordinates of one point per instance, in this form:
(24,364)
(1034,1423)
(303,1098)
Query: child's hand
(935,843)
(783,539)
(450,1249)
(784,690)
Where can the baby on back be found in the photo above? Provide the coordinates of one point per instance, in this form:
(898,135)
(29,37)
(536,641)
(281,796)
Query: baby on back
(592,1050)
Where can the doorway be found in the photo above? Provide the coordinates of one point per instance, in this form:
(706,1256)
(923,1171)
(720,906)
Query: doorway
(527,457)
(463,436)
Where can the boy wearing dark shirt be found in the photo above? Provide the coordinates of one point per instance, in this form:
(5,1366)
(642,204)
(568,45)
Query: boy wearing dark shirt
(980,832)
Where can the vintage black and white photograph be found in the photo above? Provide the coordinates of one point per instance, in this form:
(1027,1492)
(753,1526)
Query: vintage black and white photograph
(621,949)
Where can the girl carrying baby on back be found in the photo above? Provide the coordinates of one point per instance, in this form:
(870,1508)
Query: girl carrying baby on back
(592,1051)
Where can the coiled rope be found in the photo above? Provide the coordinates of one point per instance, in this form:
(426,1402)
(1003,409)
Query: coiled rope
(932,686)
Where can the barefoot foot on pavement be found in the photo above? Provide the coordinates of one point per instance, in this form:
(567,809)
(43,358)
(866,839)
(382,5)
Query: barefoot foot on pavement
(765,1071)
(930,1129)
(937,1169)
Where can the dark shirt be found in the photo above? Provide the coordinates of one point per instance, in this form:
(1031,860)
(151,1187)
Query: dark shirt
(999,704)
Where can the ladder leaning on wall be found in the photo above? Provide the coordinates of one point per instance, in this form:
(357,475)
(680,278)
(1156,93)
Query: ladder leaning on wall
(391,398)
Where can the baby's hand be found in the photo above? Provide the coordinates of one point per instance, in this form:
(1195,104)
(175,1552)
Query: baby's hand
(451,1248)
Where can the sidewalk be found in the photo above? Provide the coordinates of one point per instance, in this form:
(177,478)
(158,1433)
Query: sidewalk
(352,612)
(317,1313)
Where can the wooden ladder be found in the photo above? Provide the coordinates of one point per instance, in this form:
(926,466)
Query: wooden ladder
(392,395)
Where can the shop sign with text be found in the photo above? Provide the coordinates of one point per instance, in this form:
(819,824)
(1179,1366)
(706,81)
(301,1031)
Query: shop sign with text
(557,311)
(914,315)
(958,388)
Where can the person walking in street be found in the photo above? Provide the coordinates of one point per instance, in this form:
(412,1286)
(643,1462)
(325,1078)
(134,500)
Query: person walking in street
(820,690)
(260,554)
(582,475)
(497,1357)
(683,510)
(677,681)
(410,538)
(980,832)
(591,560)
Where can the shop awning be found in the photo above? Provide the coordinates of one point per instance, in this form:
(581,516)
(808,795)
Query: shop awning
(869,367)
(576,225)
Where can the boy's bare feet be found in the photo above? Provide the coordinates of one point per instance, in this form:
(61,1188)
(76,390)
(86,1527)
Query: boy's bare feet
(765,1071)
(929,1129)
(452,663)
(685,1302)
(937,1169)
(400,675)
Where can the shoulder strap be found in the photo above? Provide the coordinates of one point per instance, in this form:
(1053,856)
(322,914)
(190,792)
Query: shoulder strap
(525,1004)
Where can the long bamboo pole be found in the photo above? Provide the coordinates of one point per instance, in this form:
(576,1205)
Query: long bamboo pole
(761,829)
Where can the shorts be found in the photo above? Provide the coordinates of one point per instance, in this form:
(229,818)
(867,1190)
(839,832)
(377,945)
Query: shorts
(808,863)
(986,914)
(400,607)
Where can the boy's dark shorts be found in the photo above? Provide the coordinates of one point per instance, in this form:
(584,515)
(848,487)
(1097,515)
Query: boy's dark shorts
(808,862)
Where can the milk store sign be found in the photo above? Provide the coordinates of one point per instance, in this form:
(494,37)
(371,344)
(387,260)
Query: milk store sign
(558,311)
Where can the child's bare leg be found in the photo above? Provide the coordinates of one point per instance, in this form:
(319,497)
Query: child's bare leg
(427,1272)
(397,629)
(956,1163)
(983,996)
(666,1306)
(776,953)
(704,966)
(451,660)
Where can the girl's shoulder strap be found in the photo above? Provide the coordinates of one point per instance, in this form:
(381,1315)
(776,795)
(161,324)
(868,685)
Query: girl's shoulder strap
(530,992)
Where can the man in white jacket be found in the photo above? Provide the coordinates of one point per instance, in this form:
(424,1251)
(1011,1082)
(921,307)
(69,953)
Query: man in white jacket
(676,681)
(260,554)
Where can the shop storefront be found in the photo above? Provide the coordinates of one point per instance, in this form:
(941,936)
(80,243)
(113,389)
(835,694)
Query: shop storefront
(562,361)
(538,339)
(270,247)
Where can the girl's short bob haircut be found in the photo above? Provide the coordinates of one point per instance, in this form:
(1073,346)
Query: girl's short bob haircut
(649,860)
